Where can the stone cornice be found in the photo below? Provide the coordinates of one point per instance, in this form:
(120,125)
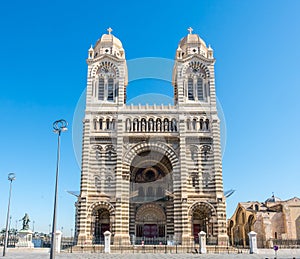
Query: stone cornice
(197,56)
(103,57)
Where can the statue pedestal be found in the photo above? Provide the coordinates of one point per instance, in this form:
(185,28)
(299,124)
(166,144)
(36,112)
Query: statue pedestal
(25,239)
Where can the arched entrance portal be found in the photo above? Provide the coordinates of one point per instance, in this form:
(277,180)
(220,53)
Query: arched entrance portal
(102,218)
(101,223)
(151,198)
(202,215)
(150,221)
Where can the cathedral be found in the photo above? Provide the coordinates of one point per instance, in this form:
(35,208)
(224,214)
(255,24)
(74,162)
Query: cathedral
(151,174)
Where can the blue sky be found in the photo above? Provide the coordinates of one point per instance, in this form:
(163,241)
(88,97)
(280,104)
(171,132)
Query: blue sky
(43,49)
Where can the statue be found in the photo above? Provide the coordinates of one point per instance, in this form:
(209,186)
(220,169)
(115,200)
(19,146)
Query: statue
(25,235)
(26,221)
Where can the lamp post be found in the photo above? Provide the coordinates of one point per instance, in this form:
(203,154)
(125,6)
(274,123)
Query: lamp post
(11,177)
(72,241)
(58,127)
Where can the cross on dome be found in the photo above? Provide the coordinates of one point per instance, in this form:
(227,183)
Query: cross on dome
(190,29)
(109,30)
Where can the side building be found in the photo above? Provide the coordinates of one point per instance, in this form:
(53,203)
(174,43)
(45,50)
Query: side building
(151,173)
(275,222)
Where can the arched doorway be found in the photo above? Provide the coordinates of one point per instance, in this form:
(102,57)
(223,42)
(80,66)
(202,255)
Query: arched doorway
(239,230)
(150,223)
(202,215)
(100,224)
(101,218)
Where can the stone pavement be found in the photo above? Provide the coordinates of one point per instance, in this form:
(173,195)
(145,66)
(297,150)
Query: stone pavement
(44,253)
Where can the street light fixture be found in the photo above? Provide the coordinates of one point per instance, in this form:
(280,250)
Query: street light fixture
(58,127)
(72,240)
(11,177)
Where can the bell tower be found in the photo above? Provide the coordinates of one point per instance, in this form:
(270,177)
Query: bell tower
(192,75)
(200,148)
(97,207)
(107,72)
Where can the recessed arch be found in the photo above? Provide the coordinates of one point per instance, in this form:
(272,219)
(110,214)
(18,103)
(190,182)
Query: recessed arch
(196,64)
(144,146)
(105,64)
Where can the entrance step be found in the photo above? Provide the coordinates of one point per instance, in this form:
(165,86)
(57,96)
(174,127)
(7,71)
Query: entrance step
(173,249)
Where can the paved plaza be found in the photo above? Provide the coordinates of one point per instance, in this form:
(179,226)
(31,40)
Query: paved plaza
(44,253)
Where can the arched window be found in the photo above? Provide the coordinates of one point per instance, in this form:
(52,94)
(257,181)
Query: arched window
(95,124)
(200,93)
(194,124)
(101,89)
(110,89)
(113,124)
(188,124)
(128,125)
(107,124)
(101,124)
(190,89)
(207,124)
(201,124)
(116,89)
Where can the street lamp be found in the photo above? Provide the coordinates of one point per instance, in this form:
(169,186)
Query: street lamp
(58,127)
(11,177)
(72,241)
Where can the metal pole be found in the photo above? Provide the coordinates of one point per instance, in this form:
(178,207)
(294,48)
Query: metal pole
(58,126)
(53,241)
(7,217)
(72,240)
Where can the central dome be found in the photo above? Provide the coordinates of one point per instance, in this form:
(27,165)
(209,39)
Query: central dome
(273,198)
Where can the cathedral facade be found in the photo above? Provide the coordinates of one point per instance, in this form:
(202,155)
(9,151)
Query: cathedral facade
(151,172)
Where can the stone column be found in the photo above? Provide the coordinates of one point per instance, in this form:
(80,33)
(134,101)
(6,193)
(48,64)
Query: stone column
(252,242)
(57,241)
(202,242)
(107,236)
